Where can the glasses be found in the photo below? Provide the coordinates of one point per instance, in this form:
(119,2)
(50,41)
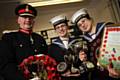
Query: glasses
(60,26)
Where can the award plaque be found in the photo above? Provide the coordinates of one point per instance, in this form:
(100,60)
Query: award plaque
(110,47)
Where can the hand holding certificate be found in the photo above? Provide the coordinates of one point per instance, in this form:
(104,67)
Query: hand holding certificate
(110,48)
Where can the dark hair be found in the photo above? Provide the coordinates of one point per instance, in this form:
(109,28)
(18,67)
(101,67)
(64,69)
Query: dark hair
(83,16)
(83,50)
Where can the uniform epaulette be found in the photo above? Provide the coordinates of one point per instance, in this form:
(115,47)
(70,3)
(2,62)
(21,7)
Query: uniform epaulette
(9,31)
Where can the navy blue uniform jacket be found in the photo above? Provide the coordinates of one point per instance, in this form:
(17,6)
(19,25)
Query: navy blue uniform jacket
(20,46)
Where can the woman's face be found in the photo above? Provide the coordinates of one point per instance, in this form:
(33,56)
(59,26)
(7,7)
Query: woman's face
(62,29)
(85,25)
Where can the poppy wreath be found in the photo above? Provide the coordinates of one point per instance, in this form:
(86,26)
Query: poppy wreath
(42,67)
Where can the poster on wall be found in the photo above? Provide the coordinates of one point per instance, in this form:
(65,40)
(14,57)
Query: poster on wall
(110,47)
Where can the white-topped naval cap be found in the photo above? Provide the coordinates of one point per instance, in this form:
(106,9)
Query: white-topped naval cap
(58,19)
(79,14)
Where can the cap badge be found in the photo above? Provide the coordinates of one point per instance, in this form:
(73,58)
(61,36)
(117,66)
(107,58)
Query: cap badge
(21,45)
(27,8)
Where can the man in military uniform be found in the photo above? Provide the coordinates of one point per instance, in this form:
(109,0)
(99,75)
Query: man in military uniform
(59,47)
(22,43)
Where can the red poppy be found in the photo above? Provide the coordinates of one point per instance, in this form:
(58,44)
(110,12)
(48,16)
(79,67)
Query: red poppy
(45,61)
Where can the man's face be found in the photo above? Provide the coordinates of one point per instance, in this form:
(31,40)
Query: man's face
(62,29)
(82,56)
(85,25)
(26,22)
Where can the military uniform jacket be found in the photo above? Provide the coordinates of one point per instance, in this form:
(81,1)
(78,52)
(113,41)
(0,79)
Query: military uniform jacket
(19,46)
(94,43)
(57,49)
(94,40)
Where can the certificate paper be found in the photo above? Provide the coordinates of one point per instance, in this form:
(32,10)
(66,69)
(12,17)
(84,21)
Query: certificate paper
(110,47)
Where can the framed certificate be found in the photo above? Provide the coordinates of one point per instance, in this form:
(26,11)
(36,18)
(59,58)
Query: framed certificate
(110,47)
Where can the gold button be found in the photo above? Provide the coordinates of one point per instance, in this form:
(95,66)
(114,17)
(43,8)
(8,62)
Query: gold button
(21,45)
(35,50)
